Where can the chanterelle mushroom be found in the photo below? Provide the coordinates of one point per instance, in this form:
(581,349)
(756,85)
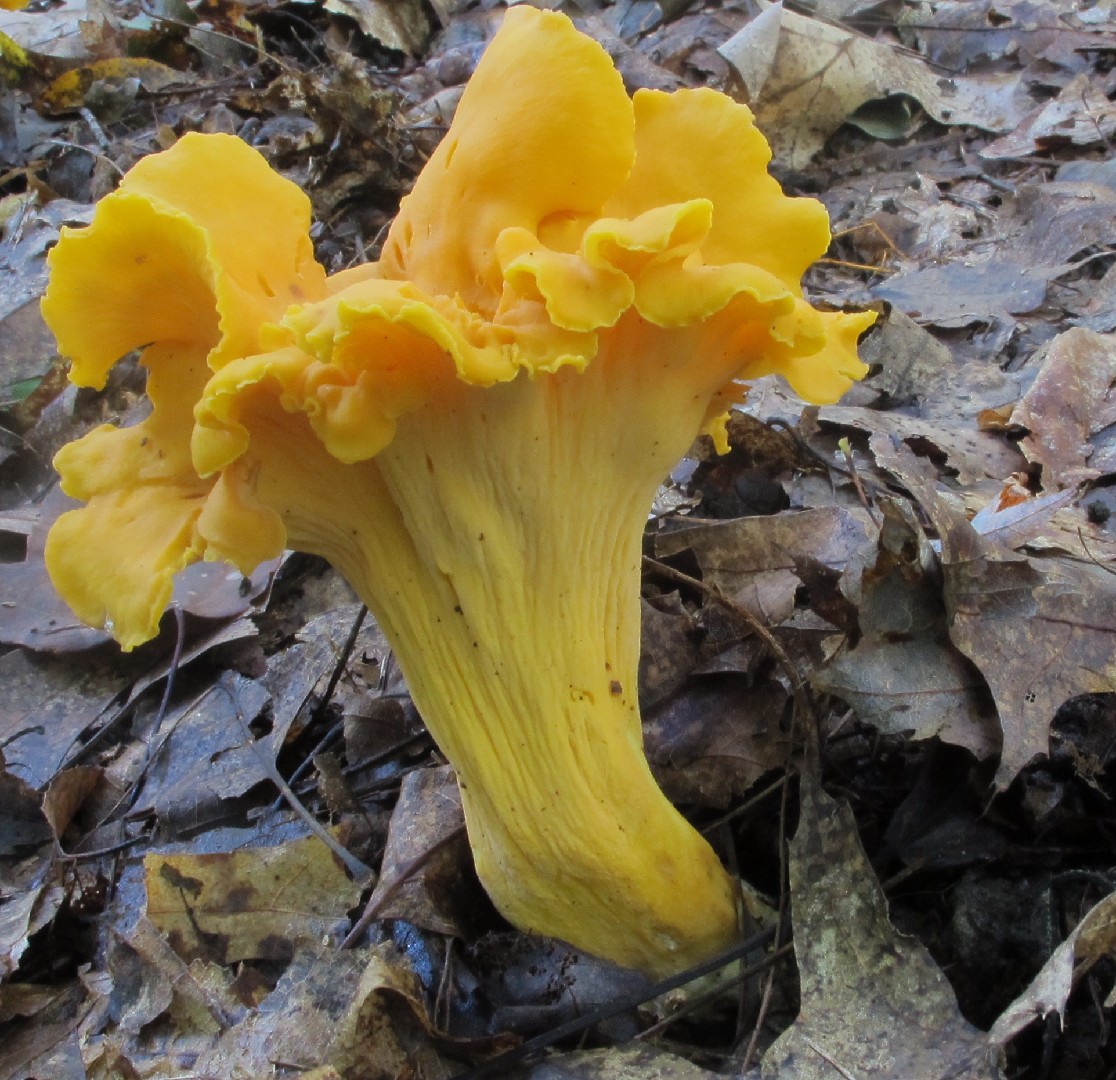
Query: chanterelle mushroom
(471,430)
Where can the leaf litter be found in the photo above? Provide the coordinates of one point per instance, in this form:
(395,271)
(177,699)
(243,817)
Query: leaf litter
(190,834)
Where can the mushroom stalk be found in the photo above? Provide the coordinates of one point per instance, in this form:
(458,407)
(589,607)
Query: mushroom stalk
(497,543)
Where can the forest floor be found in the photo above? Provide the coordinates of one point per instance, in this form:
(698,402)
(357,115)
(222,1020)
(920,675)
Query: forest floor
(879,637)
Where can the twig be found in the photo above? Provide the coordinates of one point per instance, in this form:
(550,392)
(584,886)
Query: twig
(769,961)
(828,1060)
(377,903)
(802,698)
(784,907)
(361,873)
(343,659)
(621,1005)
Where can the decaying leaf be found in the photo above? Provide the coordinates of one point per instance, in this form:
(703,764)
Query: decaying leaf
(804,78)
(72,90)
(1081,115)
(636,1062)
(204,753)
(916,369)
(972,456)
(424,877)
(259,902)
(66,794)
(958,294)
(358,1012)
(752,560)
(46,708)
(1093,938)
(708,746)
(904,674)
(403,25)
(24,914)
(150,979)
(874,1003)
(668,651)
(1040,631)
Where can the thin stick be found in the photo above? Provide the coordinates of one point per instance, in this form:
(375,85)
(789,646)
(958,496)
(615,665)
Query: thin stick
(621,1005)
(802,699)
(377,903)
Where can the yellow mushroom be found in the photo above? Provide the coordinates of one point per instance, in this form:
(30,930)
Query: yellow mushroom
(471,430)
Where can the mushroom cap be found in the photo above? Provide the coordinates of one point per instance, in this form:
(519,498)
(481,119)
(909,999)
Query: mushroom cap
(556,210)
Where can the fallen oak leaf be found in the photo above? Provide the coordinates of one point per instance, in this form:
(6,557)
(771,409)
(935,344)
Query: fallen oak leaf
(874,1003)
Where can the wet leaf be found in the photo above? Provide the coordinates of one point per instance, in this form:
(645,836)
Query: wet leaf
(357,1012)
(46,707)
(205,752)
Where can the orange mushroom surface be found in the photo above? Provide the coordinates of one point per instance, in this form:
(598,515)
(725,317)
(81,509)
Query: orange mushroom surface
(471,430)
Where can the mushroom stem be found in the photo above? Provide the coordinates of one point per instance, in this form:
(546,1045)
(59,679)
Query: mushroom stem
(497,541)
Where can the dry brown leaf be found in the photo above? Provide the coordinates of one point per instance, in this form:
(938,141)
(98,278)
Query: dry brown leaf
(972,456)
(904,675)
(918,369)
(66,794)
(635,1062)
(804,78)
(668,651)
(1041,631)
(402,25)
(1081,115)
(716,738)
(752,560)
(1068,408)
(23,915)
(960,294)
